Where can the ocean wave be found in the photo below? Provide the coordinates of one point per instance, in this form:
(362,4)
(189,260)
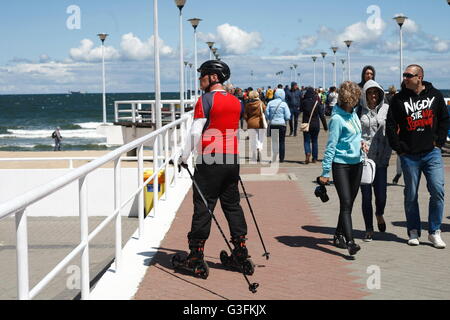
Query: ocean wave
(39,134)
(48,147)
(90,125)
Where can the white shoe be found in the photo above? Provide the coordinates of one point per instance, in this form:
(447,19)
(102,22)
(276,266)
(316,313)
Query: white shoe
(436,240)
(413,238)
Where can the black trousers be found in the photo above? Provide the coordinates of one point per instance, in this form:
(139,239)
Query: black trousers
(217,181)
(347,179)
(293,122)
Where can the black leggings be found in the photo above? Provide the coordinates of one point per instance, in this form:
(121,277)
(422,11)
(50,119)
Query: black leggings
(347,179)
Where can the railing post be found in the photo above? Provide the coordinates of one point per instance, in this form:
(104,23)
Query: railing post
(155,179)
(166,156)
(133,112)
(139,108)
(152,108)
(23,290)
(175,149)
(116,111)
(117,185)
(141,192)
(84,228)
(70,163)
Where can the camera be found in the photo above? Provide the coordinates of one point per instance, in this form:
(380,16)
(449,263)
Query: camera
(321,191)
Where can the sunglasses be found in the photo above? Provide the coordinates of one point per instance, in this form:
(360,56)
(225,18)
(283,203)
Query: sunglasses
(409,75)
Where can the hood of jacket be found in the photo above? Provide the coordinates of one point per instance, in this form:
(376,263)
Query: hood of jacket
(280,94)
(344,114)
(372,84)
(362,83)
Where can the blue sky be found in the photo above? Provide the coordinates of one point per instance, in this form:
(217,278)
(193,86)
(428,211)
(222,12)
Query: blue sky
(40,54)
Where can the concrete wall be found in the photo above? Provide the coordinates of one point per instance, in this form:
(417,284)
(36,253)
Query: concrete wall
(64,202)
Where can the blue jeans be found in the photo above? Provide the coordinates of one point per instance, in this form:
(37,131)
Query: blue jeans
(310,138)
(380,190)
(432,166)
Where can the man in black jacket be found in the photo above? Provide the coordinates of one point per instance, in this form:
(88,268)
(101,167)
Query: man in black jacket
(416,127)
(293,97)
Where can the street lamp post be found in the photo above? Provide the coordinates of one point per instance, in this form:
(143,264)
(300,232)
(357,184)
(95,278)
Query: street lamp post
(334,65)
(190,81)
(195,22)
(295,72)
(180,4)
(348,43)
(323,69)
(343,69)
(314,58)
(400,21)
(292,73)
(210,46)
(185,80)
(103,37)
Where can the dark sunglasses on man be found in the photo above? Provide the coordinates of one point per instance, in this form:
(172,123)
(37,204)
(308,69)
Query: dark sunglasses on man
(409,75)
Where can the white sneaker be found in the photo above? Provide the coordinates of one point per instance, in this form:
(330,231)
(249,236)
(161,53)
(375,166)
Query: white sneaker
(413,238)
(436,240)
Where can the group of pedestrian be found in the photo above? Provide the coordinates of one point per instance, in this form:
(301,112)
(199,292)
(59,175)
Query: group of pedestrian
(366,124)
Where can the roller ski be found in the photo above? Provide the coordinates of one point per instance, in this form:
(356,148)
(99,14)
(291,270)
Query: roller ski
(239,258)
(194,262)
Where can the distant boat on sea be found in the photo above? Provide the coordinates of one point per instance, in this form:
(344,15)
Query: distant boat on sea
(76,92)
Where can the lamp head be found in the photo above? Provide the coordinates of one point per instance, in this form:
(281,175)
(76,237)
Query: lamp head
(323,54)
(180,3)
(103,36)
(343,61)
(334,49)
(348,43)
(400,19)
(195,22)
(210,44)
(314,58)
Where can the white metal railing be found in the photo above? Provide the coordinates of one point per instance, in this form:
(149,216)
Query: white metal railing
(70,160)
(138,115)
(18,205)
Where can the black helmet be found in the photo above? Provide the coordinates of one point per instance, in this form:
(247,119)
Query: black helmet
(215,67)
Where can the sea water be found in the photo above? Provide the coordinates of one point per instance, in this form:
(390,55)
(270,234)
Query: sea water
(27,121)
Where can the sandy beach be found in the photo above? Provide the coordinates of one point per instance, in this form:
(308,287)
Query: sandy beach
(59,164)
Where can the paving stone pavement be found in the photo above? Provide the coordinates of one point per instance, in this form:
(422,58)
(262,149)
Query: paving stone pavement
(50,240)
(298,228)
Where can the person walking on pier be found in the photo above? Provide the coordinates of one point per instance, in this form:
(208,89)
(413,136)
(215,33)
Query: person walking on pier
(312,115)
(373,124)
(214,134)
(253,114)
(56,135)
(343,154)
(416,127)
(293,98)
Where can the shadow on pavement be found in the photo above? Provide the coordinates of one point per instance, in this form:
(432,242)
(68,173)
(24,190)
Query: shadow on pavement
(312,243)
(358,234)
(162,260)
(444,227)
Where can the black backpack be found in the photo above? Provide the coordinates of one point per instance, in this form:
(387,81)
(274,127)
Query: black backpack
(54,134)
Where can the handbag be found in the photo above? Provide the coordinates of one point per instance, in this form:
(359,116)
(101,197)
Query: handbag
(263,117)
(305,126)
(368,174)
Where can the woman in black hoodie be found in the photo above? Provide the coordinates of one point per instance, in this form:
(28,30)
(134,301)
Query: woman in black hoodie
(310,138)
(368,73)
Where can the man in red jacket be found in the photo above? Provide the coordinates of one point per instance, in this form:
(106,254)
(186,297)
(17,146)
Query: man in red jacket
(416,126)
(214,133)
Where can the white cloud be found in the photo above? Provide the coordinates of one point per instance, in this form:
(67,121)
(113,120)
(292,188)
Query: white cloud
(234,40)
(361,34)
(86,52)
(133,48)
(307,42)
(55,71)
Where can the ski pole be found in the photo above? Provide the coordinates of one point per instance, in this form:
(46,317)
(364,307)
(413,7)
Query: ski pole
(266,254)
(251,286)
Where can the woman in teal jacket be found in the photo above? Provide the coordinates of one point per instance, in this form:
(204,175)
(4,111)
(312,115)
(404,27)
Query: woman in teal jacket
(343,155)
